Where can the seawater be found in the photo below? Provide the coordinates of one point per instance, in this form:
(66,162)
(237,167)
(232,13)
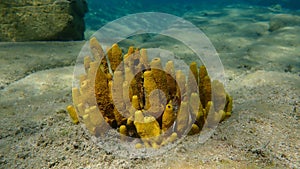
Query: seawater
(102,12)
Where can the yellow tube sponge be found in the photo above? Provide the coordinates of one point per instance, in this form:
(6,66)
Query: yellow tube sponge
(76,96)
(152,127)
(88,124)
(131,130)
(159,77)
(228,107)
(219,95)
(194,130)
(206,89)
(127,92)
(80,108)
(128,74)
(172,137)
(86,91)
(96,49)
(86,62)
(195,105)
(114,56)
(182,118)
(98,53)
(200,118)
(204,85)
(148,128)
(102,93)
(144,59)
(139,146)
(139,116)
(129,77)
(118,117)
(168,117)
(171,82)
(131,60)
(83,77)
(143,100)
(117,90)
(135,102)
(129,52)
(209,108)
(110,85)
(149,86)
(92,70)
(139,88)
(181,81)
(93,120)
(213,117)
(222,115)
(135,61)
(73,114)
(123,132)
(194,70)
(192,82)
(95,116)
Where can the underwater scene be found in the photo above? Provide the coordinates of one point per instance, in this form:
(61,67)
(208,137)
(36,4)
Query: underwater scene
(180,84)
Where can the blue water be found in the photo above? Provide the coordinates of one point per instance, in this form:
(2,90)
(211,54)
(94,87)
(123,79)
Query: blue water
(101,12)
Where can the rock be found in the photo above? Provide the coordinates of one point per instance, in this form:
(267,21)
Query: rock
(283,20)
(275,8)
(253,29)
(39,20)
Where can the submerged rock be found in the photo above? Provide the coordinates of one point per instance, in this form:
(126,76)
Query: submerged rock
(24,20)
(284,20)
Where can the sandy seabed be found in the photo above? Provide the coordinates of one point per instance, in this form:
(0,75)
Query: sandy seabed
(262,73)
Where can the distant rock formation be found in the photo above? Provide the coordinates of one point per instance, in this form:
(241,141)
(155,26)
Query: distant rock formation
(283,20)
(39,20)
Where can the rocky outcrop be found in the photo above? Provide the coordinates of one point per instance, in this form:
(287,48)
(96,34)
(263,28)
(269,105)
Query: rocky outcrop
(39,20)
(284,20)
